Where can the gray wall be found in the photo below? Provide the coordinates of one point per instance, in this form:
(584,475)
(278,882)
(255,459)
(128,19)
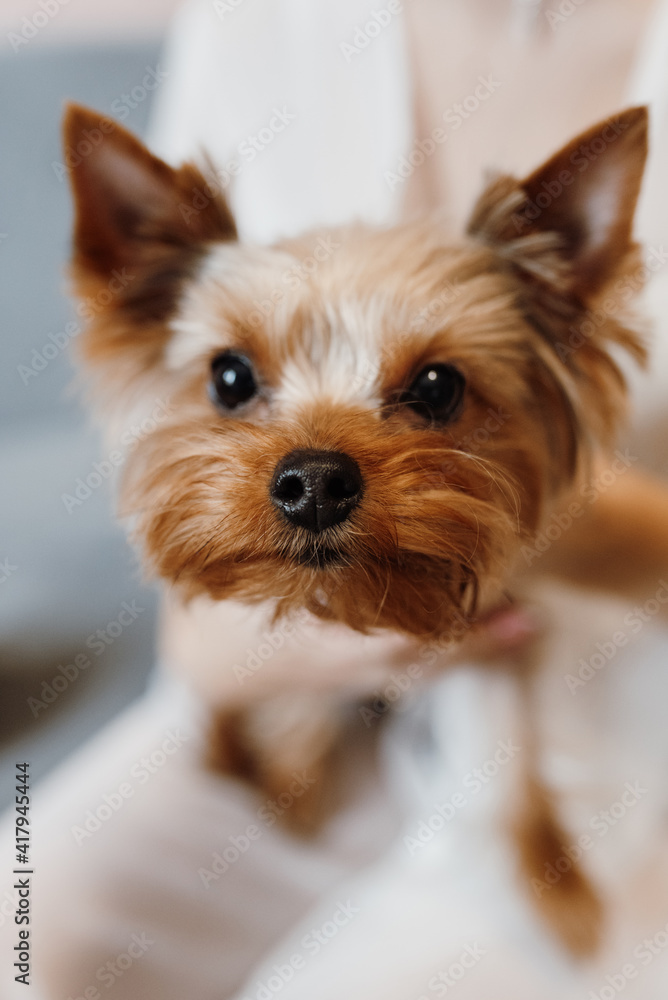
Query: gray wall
(63,575)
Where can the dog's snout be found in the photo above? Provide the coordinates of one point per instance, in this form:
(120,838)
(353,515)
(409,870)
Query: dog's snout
(316,489)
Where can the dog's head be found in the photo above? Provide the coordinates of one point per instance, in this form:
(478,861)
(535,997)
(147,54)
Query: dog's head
(363,423)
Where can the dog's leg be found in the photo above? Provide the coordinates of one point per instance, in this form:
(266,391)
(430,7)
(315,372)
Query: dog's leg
(285,747)
(620,542)
(570,906)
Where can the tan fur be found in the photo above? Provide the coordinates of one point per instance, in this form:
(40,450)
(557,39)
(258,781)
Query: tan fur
(444,509)
(571,906)
(620,543)
(308,729)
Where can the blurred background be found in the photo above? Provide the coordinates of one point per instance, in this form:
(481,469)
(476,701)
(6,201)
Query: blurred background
(66,570)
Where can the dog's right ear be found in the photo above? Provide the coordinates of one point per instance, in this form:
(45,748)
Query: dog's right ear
(564,236)
(579,206)
(134,212)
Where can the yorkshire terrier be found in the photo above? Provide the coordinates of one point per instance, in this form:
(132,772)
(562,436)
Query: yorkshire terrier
(323,449)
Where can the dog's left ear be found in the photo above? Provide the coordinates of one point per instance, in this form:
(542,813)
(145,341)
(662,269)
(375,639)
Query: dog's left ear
(583,197)
(135,216)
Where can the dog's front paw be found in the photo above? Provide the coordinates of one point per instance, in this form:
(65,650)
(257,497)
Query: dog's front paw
(286,748)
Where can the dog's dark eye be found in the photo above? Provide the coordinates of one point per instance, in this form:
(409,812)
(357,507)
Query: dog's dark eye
(232,380)
(437,392)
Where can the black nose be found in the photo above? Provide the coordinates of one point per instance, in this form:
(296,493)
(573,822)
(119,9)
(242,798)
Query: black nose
(316,489)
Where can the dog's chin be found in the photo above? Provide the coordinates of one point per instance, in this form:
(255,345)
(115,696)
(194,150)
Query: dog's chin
(322,558)
(415,595)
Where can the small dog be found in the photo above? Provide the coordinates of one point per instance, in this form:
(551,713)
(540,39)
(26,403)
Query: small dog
(322,449)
